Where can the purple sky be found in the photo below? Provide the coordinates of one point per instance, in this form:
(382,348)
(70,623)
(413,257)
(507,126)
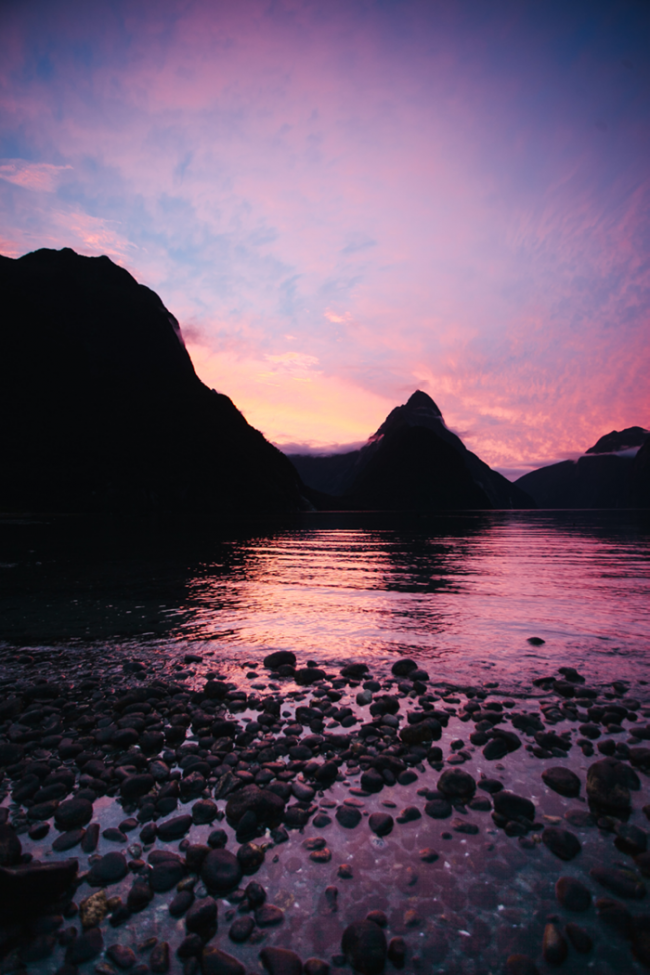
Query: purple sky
(345,200)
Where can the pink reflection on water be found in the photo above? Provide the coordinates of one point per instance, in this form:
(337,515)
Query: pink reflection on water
(465,597)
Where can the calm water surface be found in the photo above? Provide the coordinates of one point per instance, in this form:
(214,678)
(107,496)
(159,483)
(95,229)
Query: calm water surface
(462,591)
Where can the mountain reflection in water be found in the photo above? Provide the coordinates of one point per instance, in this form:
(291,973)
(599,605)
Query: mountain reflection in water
(465,591)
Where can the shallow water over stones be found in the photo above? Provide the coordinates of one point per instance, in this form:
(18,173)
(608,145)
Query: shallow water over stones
(464,892)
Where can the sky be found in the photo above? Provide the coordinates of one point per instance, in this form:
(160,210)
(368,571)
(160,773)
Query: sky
(343,201)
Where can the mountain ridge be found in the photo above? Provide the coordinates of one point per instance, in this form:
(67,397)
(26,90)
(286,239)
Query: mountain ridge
(354,477)
(107,412)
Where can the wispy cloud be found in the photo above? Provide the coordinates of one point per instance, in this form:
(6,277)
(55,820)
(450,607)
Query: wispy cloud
(42,177)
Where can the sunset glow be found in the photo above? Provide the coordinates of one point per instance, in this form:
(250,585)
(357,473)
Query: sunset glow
(343,202)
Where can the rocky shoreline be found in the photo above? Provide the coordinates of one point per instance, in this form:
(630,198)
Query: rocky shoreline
(293,818)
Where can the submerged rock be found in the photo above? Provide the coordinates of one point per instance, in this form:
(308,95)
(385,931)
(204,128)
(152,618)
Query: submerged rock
(608,786)
(281,961)
(364,945)
(562,780)
(561,842)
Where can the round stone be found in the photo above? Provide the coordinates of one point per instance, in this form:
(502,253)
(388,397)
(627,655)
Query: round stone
(166,875)
(572,894)
(364,945)
(221,871)
(217,962)
(561,842)
(512,806)
(281,961)
(457,784)
(109,870)
(73,813)
(562,780)
(348,816)
(241,929)
(381,823)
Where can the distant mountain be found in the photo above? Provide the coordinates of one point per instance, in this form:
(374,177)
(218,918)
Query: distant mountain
(102,409)
(413,461)
(608,475)
(617,440)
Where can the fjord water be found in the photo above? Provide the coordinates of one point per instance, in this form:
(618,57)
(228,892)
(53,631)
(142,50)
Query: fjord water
(461,591)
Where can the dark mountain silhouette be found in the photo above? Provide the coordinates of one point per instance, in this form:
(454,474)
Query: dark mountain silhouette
(602,478)
(619,440)
(413,461)
(640,478)
(102,409)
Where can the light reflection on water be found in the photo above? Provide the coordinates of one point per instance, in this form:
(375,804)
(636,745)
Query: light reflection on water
(463,590)
(456,597)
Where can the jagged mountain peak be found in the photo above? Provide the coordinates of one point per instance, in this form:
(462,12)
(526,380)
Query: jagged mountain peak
(422,401)
(418,411)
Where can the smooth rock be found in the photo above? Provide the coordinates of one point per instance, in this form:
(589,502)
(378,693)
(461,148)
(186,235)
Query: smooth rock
(572,894)
(109,870)
(121,956)
(554,946)
(457,784)
(139,897)
(202,916)
(166,875)
(73,813)
(381,823)
(10,846)
(608,786)
(561,842)
(562,780)
(159,958)
(438,808)
(623,883)
(364,945)
(348,816)
(216,962)
(31,886)
(281,961)
(268,915)
(267,807)
(85,947)
(241,929)
(221,871)
(173,829)
(579,938)
(397,952)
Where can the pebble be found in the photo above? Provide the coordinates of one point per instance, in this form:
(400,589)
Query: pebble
(572,894)
(121,956)
(268,915)
(561,842)
(281,961)
(348,816)
(554,946)
(562,780)
(73,813)
(381,823)
(241,929)
(623,883)
(364,945)
(108,870)
(159,958)
(579,938)
(217,962)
